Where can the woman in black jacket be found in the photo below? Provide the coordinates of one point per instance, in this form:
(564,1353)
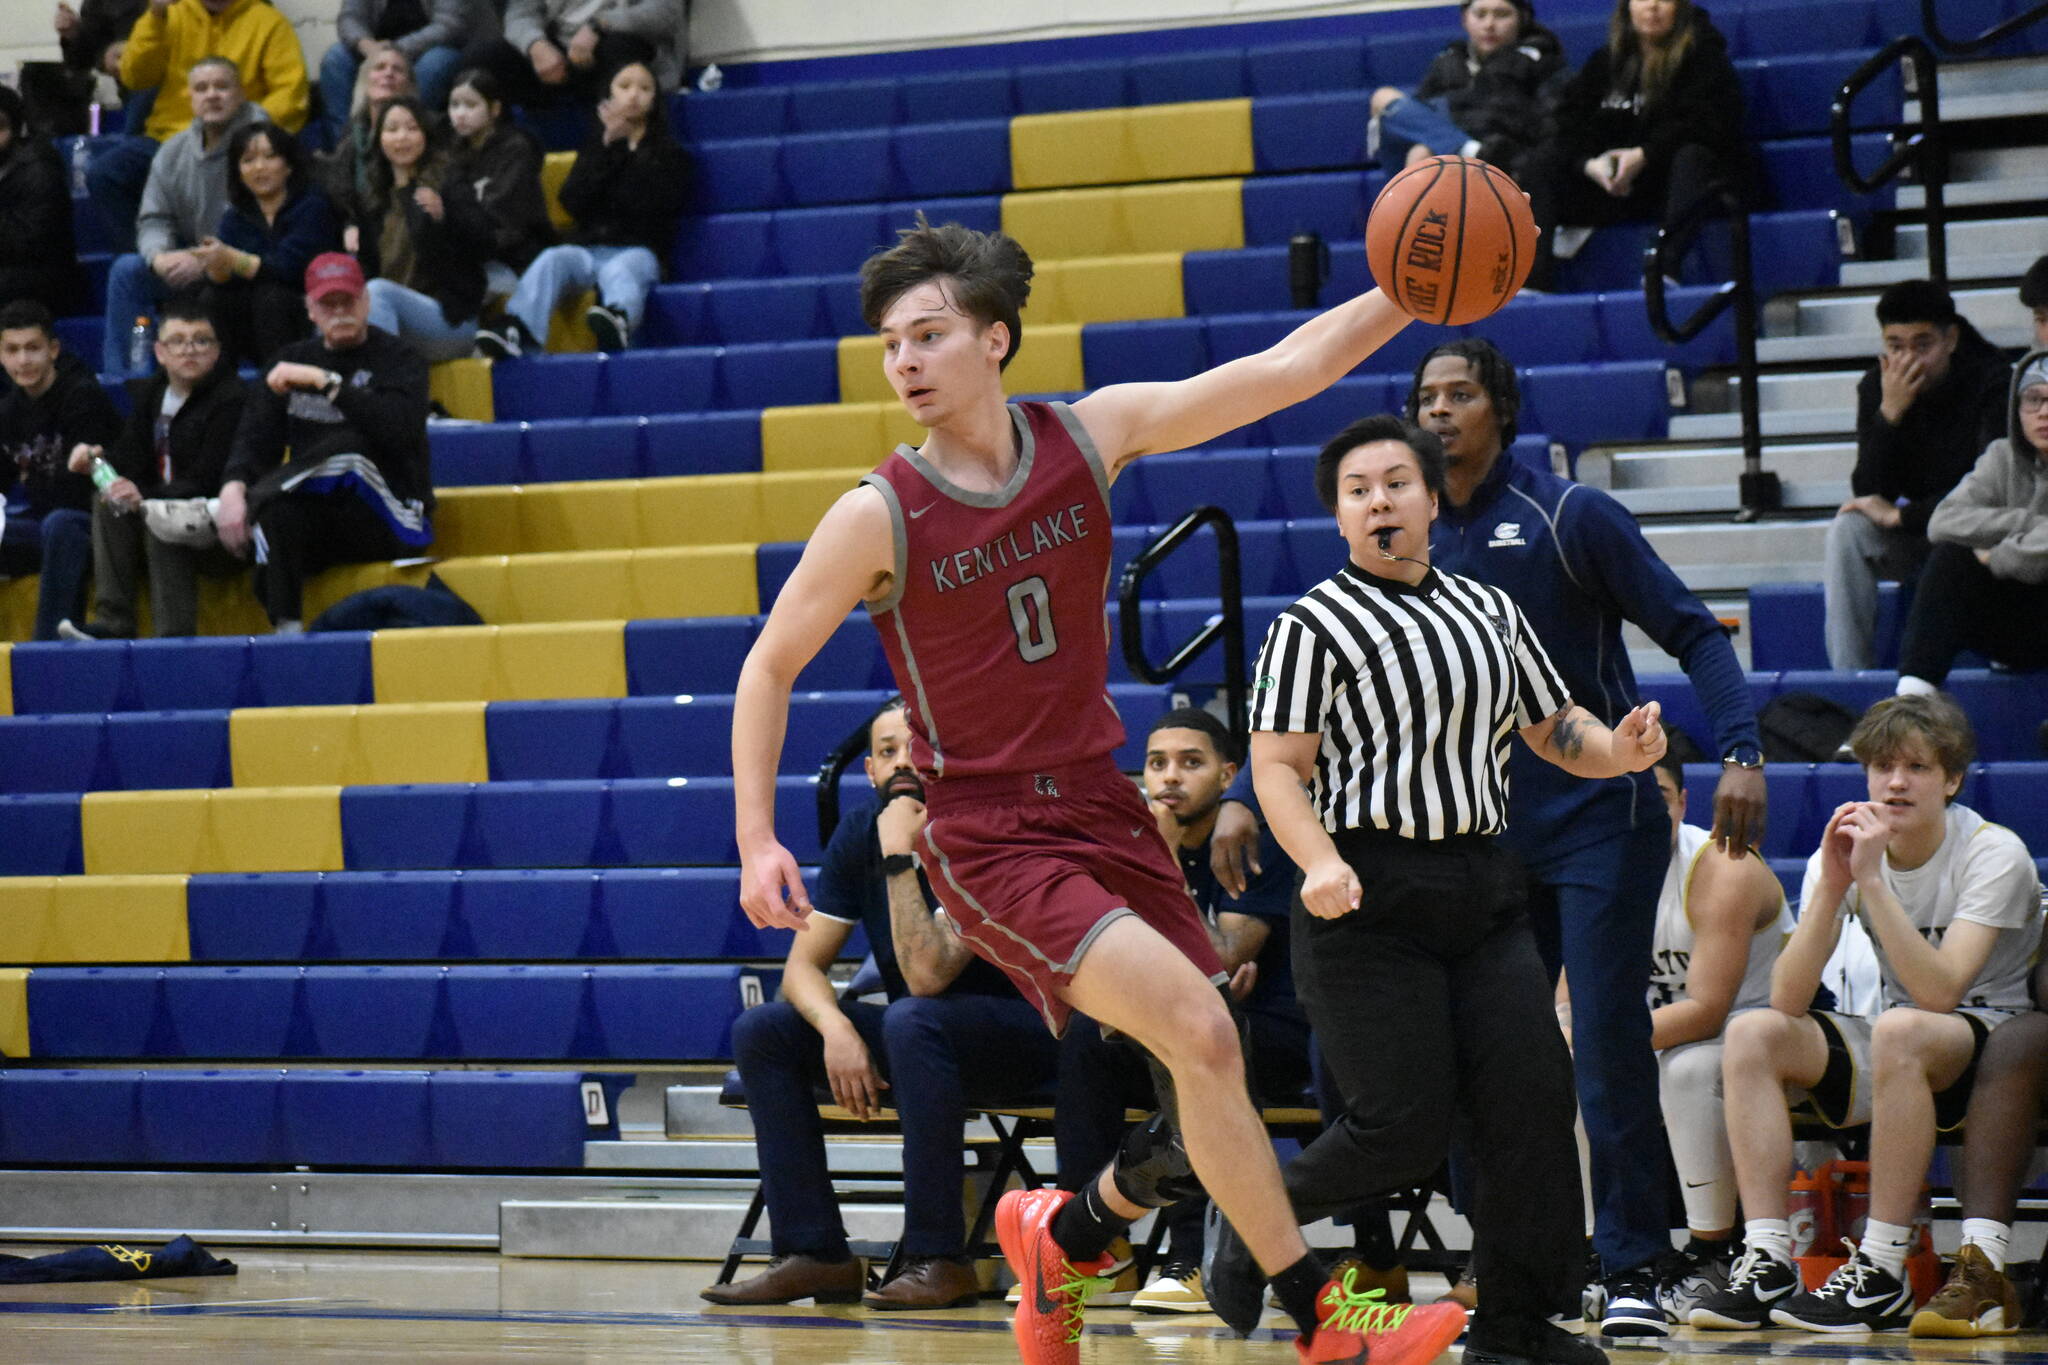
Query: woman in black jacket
(503,162)
(421,237)
(626,194)
(1644,128)
(1482,96)
(277,220)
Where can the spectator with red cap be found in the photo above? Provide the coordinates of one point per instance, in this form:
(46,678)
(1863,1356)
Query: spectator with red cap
(350,404)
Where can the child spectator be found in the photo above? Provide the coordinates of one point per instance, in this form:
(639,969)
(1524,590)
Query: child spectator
(503,161)
(626,194)
(1482,96)
(421,237)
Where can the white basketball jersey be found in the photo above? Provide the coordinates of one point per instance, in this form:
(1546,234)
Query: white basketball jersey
(1671,948)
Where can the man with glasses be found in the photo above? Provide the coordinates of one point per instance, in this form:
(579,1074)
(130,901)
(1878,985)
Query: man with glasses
(169,458)
(350,404)
(1985,587)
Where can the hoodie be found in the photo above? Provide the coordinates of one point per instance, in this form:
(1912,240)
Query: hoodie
(37,434)
(258,39)
(1601,107)
(1499,98)
(187,189)
(2002,503)
(1915,463)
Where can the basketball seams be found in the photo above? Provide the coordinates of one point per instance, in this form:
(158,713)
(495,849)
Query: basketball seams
(1394,266)
(1507,214)
(1457,262)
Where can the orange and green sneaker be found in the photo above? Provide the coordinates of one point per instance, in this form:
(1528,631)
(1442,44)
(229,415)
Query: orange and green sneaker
(1056,1291)
(1359,1327)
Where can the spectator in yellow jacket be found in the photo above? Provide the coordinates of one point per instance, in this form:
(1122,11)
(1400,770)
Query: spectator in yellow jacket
(169,38)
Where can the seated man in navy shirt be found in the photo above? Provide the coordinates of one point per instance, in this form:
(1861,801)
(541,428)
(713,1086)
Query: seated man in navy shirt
(1190,759)
(954,1032)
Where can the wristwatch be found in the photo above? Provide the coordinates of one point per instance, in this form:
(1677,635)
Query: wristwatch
(1743,755)
(895,864)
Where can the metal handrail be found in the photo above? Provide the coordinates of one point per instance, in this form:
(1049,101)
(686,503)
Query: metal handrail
(1758,487)
(1924,149)
(1228,626)
(854,746)
(1965,46)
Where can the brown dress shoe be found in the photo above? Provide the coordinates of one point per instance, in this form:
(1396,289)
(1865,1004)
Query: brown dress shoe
(926,1282)
(789,1278)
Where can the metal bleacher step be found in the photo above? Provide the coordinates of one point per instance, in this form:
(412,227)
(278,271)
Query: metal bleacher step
(1803,403)
(2013,87)
(628,1222)
(1994,175)
(1726,558)
(1665,480)
(1978,249)
(1843,326)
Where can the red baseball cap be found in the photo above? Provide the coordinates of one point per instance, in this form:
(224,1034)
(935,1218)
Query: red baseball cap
(333,272)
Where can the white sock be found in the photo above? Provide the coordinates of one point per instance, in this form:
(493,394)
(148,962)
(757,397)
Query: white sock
(1771,1236)
(1991,1237)
(1885,1246)
(1910,686)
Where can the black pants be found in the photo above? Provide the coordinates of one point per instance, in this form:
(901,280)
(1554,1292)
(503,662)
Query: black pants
(305,533)
(1962,605)
(1559,192)
(1432,1009)
(585,85)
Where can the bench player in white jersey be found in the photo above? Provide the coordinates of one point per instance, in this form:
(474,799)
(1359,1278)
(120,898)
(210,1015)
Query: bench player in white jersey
(1721,921)
(1953,906)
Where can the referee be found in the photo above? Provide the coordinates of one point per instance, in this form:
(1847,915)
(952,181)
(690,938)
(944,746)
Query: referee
(1382,713)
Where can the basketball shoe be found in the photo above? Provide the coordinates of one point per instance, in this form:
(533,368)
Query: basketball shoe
(1359,1327)
(1056,1291)
(1861,1296)
(1977,1301)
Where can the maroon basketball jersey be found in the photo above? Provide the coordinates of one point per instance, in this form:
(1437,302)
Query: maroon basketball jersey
(995,627)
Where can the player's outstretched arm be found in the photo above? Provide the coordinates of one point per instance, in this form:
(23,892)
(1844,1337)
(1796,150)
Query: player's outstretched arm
(848,560)
(1129,420)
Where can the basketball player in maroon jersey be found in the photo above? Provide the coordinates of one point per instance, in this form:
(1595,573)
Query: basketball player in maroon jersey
(983,558)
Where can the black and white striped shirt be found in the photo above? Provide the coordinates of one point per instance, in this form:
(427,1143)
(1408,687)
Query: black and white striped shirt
(1417,692)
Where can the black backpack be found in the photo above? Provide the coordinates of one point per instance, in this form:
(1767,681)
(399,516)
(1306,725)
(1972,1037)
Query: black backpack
(1804,727)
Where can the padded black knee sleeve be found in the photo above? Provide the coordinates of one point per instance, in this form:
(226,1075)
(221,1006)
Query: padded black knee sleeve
(1152,1167)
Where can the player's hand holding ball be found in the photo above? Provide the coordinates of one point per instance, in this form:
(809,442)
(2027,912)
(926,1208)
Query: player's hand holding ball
(1330,889)
(1450,240)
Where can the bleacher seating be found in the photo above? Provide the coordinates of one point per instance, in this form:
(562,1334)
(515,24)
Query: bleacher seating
(513,843)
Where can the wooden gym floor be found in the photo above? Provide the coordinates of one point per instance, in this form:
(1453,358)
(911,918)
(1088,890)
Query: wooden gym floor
(291,1304)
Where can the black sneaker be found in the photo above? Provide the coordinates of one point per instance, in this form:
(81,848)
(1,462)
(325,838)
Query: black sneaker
(608,325)
(1631,1308)
(1518,1341)
(499,343)
(1758,1281)
(1686,1276)
(1230,1277)
(1860,1297)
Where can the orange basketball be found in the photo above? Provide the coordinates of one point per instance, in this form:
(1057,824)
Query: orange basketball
(1450,240)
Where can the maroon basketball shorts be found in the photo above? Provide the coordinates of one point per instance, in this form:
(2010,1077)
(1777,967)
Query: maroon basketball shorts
(1031,867)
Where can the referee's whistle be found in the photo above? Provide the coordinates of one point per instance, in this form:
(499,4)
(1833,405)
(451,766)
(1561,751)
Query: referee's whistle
(1386,538)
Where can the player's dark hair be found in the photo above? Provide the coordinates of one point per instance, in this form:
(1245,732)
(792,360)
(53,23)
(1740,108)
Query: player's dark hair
(1429,452)
(2034,285)
(1930,718)
(1195,718)
(28,313)
(987,275)
(1493,370)
(1911,301)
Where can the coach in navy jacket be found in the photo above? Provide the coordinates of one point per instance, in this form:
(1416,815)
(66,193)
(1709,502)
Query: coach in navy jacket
(1578,566)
